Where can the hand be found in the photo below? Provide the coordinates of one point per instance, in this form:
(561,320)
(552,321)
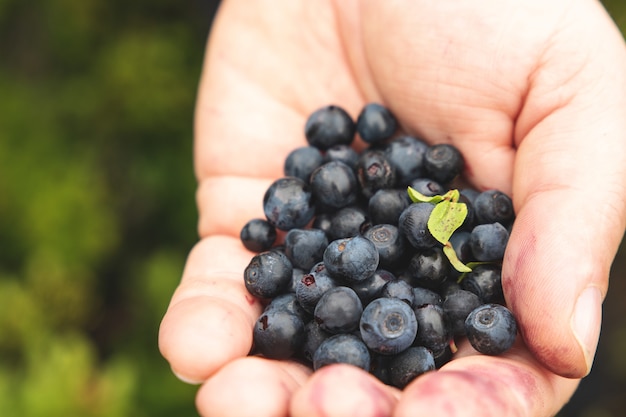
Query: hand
(532,93)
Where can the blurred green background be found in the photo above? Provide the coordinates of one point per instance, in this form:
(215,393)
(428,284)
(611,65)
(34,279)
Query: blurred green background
(97,209)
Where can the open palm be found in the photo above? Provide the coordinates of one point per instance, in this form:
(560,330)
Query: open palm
(534,96)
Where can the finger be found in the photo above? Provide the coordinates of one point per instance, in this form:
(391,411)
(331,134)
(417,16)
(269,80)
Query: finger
(343,390)
(251,386)
(570,196)
(513,384)
(210,317)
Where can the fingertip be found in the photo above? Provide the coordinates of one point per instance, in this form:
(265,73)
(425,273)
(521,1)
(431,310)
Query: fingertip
(251,386)
(343,390)
(200,334)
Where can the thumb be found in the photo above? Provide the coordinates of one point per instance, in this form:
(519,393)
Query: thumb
(569,191)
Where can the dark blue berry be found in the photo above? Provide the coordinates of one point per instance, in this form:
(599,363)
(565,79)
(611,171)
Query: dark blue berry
(375,123)
(339,310)
(389,243)
(342,348)
(313,338)
(305,247)
(258,235)
(443,162)
(311,288)
(429,268)
(388,325)
(386,205)
(288,203)
(486,282)
(413,223)
(374,172)
(329,126)
(301,162)
(408,365)
(433,332)
(288,302)
(406,156)
(398,289)
(491,329)
(423,296)
(493,206)
(457,305)
(342,153)
(351,259)
(347,222)
(370,288)
(278,334)
(460,241)
(488,242)
(334,185)
(427,187)
(268,274)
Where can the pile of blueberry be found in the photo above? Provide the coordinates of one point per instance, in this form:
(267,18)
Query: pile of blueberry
(386,262)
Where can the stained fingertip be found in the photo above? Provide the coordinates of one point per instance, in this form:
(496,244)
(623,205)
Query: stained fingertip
(199,335)
(343,390)
(251,386)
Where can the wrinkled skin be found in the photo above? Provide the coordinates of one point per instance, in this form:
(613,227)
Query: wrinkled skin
(533,94)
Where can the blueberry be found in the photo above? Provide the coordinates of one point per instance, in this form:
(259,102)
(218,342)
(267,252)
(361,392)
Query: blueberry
(351,259)
(374,172)
(427,187)
(400,290)
(322,222)
(334,185)
(278,334)
(258,235)
(342,153)
(311,288)
(388,326)
(460,241)
(314,335)
(491,329)
(268,274)
(370,288)
(305,247)
(443,162)
(342,348)
(457,306)
(486,282)
(287,302)
(423,296)
(408,365)
(493,206)
(433,332)
(301,162)
(288,203)
(413,223)
(375,123)
(347,222)
(488,241)
(339,310)
(389,243)
(429,268)
(406,156)
(329,126)
(386,205)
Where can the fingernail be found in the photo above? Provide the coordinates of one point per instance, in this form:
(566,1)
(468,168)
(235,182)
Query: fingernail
(186,380)
(586,322)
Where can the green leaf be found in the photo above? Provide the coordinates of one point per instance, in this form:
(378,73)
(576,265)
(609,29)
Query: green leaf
(418,197)
(446,217)
(448,250)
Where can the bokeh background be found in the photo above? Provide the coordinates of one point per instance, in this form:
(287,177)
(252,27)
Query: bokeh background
(97,209)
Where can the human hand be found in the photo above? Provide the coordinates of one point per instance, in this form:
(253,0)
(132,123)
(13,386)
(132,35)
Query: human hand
(533,94)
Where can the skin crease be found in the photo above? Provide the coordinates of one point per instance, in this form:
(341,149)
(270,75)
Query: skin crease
(532,93)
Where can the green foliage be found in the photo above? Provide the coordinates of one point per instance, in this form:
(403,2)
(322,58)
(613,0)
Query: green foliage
(97,210)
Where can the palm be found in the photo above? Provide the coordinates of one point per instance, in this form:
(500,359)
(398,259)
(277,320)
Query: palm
(449,76)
